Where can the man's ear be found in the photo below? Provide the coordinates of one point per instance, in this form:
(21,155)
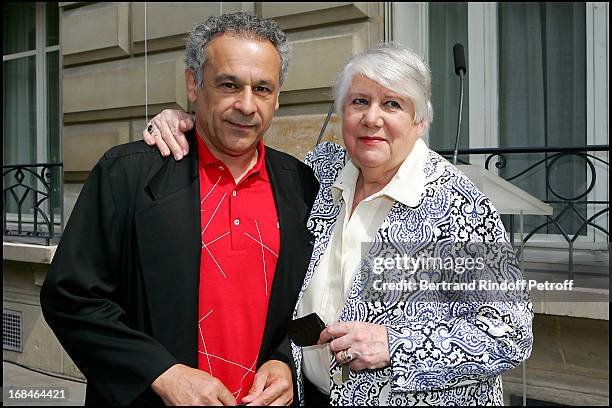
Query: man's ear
(192,86)
(277,101)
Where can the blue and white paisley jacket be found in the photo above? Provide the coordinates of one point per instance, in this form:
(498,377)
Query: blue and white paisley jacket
(442,352)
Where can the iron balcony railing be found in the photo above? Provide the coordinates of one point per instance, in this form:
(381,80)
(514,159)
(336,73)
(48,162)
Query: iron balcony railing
(32,196)
(29,199)
(575,209)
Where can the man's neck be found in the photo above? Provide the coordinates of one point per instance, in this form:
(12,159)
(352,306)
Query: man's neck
(239,165)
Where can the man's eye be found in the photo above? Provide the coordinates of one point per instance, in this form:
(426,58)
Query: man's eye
(228,85)
(359,101)
(262,89)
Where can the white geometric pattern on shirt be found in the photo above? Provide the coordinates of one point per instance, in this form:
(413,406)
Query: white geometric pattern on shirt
(263,259)
(203,342)
(205,246)
(208,355)
(211,190)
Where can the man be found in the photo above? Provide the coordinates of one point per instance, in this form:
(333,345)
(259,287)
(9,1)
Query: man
(174,281)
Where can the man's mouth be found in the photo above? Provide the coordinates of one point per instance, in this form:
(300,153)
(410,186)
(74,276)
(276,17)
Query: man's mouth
(244,126)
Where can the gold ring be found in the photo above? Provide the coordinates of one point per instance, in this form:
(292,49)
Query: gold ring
(345,357)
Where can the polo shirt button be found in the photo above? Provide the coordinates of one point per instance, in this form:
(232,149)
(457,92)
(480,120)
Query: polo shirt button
(236,221)
(233,194)
(221,168)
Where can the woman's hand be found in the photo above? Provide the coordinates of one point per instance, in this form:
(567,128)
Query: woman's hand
(365,345)
(166,131)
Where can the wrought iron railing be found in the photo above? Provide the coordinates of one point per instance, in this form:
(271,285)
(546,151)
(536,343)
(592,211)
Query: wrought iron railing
(565,205)
(32,193)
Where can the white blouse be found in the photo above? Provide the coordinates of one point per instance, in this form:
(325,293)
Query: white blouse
(336,270)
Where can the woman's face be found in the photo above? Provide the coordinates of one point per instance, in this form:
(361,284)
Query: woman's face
(378,125)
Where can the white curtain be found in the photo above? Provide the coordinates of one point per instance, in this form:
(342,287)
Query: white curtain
(447,26)
(542,96)
(19,115)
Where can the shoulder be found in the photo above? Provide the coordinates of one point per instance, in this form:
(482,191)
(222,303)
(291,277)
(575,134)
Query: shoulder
(301,174)
(285,160)
(124,151)
(472,212)
(440,173)
(281,160)
(326,152)
(129,167)
(326,161)
(129,157)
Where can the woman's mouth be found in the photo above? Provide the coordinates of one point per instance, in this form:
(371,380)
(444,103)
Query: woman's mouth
(371,140)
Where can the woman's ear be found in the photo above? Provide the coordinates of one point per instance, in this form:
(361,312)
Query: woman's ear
(422,127)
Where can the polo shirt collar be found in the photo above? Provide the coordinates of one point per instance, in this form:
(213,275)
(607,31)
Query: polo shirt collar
(206,158)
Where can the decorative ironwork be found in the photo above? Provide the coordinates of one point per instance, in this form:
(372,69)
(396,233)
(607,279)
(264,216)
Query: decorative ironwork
(567,204)
(30,189)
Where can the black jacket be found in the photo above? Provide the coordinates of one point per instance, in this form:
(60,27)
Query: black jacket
(122,292)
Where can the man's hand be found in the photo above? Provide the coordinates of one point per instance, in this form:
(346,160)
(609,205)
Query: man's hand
(167,132)
(272,385)
(182,385)
(364,345)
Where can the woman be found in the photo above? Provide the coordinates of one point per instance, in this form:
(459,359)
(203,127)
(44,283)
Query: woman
(387,189)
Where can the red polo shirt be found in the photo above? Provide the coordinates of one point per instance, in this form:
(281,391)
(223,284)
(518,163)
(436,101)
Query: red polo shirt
(240,244)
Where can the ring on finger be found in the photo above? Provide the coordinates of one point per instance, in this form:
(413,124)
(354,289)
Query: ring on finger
(345,356)
(150,127)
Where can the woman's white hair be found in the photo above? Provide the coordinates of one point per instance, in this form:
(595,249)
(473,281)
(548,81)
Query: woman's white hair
(394,66)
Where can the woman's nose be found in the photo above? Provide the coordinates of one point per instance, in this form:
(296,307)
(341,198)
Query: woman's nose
(372,117)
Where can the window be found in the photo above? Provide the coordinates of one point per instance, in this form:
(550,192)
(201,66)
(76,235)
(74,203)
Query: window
(537,76)
(31,118)
(542,99)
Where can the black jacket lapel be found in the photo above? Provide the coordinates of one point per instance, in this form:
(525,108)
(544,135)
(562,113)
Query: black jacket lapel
(168,235)
(295,246)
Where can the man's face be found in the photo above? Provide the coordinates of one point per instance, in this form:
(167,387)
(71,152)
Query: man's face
(234,108)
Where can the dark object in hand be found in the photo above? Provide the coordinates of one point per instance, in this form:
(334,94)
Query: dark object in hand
(306,330)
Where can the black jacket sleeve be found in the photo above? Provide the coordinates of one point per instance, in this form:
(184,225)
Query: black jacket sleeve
(83,301)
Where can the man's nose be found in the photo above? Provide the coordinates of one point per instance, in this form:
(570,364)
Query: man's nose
(246,102)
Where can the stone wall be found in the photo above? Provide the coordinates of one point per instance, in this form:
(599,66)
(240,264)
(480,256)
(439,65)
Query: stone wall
(569,364)
(103,70)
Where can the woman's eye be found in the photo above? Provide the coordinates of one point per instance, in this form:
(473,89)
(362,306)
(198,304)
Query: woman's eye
(394,105)
(360,101)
